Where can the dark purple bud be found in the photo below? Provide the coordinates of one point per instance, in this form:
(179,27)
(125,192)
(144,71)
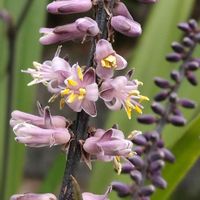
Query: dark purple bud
(154,135)
(188,42)
(174,57)
(168,156)
(191,78)
(146,119)
(127,168)
(175,75)
(162,83)
(177,120)
(139,150)
(173,97)
(136,176)
(158,108)
(156,155)
(137,161)
(159,182)
(193,24)
(147,190)
(139,140)
(161,96)
(186,103)
(184,27)
(192,65)
(197,37)
(176,111)
(160,143)
(177,47)
(156,165)
(122,189)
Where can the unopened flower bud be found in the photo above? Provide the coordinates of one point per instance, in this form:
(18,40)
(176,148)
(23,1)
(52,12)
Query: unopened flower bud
(137,161)
(177,47)
(127,168)
(187,103)
(168,156)
(162,83)
(175,75)
(146,119)
(32,196)
(184,26)
(126,26)
(191,78)
(156,155)
(161,96)
(139,140)
(174,57)
(188,42)
(160,143)
(159,182)
(192,65)
(122,189)
(158,108)
(173,97)
(139,150)
(193,24)
(177,120)
(156,165)
(147,190)
(136,176)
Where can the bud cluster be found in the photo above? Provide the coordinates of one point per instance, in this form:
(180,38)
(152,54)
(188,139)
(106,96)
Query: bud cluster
(145,169)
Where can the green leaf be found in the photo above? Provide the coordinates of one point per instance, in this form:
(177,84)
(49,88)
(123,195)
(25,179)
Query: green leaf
(28,49)
(186,151)
(148,60)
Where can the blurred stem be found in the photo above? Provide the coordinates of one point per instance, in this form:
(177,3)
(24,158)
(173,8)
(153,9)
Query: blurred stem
(74,153)
(12,32)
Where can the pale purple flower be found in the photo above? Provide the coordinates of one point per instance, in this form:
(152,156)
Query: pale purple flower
(106,145)
(121,9)
(81,91)
(91,196)
(81,28)
(40,131)
(107,60)
(126,26)
(51,73)
(32,196)
(69,6)
(121,92)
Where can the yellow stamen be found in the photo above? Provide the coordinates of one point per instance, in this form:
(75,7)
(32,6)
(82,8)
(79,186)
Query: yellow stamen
(138,109)
(144,98)
(117,164)
(80,73)
(109,62)
(128,111)
(62,103)
(82,92)
(72,97)
(138,82)
(134,93)
(65,92)
(72,82)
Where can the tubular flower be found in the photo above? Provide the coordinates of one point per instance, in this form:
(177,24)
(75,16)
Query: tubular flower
(106,145)
(81,91)
(40,131)
(107,60)
(91,196)
(120,92)
(69,6)
(51,73)
(32,196)
(79,29)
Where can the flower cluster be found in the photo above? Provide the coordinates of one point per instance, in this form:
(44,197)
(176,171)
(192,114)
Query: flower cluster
(80,88)
(151,151)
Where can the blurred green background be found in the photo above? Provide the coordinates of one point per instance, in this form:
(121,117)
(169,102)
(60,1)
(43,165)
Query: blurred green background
(32,170)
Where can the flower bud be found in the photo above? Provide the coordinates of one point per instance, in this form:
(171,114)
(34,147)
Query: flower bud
(139,140)
(186,103)
(156,155)
(136,176)
(188,42)
(173,57)
(192,65)
(156,165)
(177,47)
(168,156)
(137,161)
(177,120)
(32,196)
(184,26)
(126,26)
(191,78)
(127,168)
(162,83)
(147,190)
(159,182)
(121,9)
(146,119)
(158,108)
(161,96)
(122,189)
(173,97)
(175,75)
(193,24)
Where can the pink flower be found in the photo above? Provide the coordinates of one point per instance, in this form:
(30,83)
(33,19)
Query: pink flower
(51,73)
(91,196)
(126,26)
(81,91)
(79,29)
(32,196)
(120,92)
(105,145)
(107,60)
(69,6)
(40,131)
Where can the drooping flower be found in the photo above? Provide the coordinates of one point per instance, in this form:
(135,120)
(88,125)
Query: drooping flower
(81,91)
(107,60)
(51,73)
(106,145)
(69,6)
(81,28)
(121,92)
(91,196)
(32,196)
(40,131)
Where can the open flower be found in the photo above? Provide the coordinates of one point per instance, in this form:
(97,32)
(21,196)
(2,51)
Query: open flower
(105,145)
(91,196)
(32,196)
(51,73)
(81,91)
(40,131)
(121,92)
(107,60)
